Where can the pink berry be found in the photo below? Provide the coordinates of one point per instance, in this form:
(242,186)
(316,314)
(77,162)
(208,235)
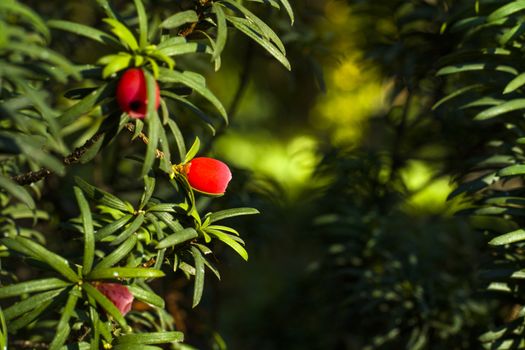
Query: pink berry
(119,295)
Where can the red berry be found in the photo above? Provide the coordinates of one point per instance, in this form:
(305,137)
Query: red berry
(132,96)
(208,175)
(118,294)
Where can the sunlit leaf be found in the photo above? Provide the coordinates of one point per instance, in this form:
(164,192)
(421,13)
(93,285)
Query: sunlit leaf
(89,237)
(63,328)
(503,108)
(33,286)
(229,213)
(194,149)
(507,10)
(30,303)
(143,23)
(123,33)
(230,240)
(222,31)
(179,19)
(151,338)
(112,227)
(117,254)
(508,238)
(177,238)
(146,296)
(124,272)
(199,276)
(131,229)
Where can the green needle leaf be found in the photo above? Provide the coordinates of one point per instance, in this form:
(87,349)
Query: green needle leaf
(30,303)
(153,121)
(63,328)
(199,276)
(508,238)
(229,240)
(17,191)
(112,227)
(247,27)
(506,107)
(151,338)
(289,10)
(89,237)
(222,31)
(512,170)
(179,19)
(40,253)
(515,84)
(124,272)
(86,31)
(230,213)
(132,228)
(143,23)
(146,296)
(32,287)
(123,33)
(192,152)
(87,104)
(105,303)
(118,254)
(27,12)
(177,238)
(103,197)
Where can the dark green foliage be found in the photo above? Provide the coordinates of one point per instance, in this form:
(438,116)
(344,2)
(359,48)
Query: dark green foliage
(490,42)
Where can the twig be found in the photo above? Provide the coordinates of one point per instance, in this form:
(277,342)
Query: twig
(190,27)
(34,176)
(75,156)
(131,128)
(80,151)
(31,176)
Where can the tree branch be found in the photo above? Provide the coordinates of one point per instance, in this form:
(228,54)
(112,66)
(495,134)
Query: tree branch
(131,128)
(35,176)
(75,156)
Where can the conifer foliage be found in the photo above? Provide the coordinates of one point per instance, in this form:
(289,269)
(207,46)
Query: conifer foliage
(58,115)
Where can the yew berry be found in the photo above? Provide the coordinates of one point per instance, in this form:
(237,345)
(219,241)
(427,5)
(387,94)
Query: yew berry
(208,175)
(118,294)
(132,96)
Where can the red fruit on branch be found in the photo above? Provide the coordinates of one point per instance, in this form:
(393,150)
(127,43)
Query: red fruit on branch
(208,175)
(118,294)
(132,95)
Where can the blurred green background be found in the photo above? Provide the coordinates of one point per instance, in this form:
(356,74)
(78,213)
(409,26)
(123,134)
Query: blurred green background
(356,246)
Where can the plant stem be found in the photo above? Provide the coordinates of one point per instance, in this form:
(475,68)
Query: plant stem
(35,176)
(131,128)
